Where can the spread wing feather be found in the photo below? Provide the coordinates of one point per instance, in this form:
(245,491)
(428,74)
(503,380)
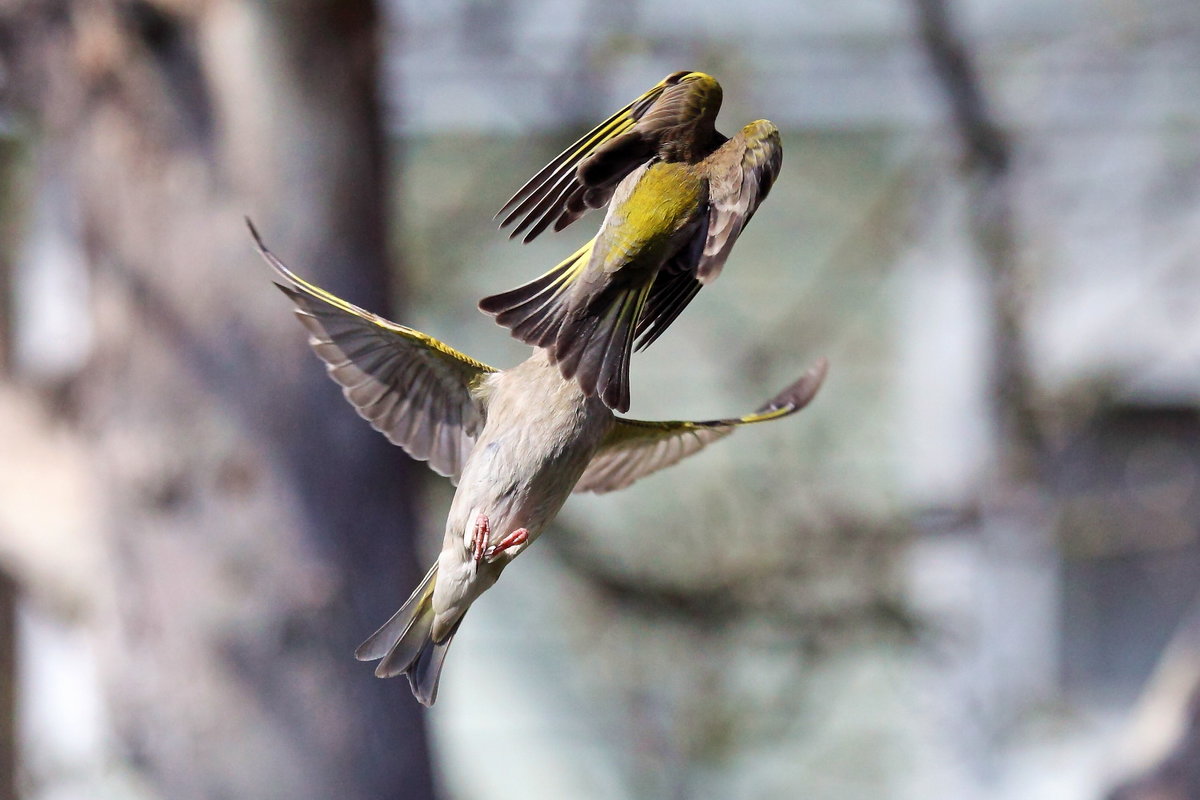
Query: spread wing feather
(536,311)
(675,285)
(415,390)
(634,449)
(754,157)
(558,195)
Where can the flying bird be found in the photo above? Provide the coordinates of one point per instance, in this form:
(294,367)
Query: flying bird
(516,442)
(678,194)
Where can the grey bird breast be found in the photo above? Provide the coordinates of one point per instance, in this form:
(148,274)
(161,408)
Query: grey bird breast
(540,434)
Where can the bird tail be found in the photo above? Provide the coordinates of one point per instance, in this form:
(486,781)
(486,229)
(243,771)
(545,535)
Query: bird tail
(595,347)
(406,646)
(591,341)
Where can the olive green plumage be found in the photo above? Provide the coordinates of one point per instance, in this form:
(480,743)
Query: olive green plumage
(678,194)
(516,442)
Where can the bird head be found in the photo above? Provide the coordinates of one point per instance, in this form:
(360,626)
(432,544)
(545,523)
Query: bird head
(702,91)
(683,114)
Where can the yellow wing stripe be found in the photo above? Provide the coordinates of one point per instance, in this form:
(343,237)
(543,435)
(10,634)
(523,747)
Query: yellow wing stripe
(635,448)
(337,302)
(580,258)
(556,180)
(568,270)
(615,128)
(628,428)
(615,125)
(788,402)
(561,164)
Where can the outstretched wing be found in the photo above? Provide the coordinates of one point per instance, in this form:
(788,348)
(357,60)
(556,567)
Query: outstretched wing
(415,390)
(560,194)
(634,449)
(750,161)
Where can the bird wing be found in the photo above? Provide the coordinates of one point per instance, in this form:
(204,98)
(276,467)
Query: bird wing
(674,287)
(585,174)
(634,449)
(536,311)
(752,159)
(418,392)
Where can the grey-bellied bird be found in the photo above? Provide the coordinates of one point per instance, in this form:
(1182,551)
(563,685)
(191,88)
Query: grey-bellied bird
(516,442)
(678,194)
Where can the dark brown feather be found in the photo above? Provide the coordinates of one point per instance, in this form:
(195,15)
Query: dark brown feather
(536,311)
(669,296)
(593,345)
(673,119)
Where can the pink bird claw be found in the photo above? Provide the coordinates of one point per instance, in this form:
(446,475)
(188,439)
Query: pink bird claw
(483,530)
(519,536)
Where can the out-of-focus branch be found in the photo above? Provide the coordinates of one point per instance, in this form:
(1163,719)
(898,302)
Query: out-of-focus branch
(986,158)
(728,597)
(1165,736)
(985,145)
(787,610)
(1176,777)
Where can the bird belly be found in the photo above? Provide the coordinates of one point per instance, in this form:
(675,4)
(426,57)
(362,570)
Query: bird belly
(515,487)
(520,473)
(510,501)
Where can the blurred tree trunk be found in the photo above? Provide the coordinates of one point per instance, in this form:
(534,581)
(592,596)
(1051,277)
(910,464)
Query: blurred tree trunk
(1015,519)
(8,586)
(256,529)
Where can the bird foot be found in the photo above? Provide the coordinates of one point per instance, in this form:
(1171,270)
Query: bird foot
(483,529)
(519,536)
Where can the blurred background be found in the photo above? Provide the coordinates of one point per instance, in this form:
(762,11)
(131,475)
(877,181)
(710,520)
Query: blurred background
(969,570)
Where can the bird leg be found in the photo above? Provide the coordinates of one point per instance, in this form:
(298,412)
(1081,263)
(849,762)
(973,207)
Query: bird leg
(519,536)
(483,529)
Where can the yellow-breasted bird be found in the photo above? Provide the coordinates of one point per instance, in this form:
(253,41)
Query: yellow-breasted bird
(678,193)
(515,441)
